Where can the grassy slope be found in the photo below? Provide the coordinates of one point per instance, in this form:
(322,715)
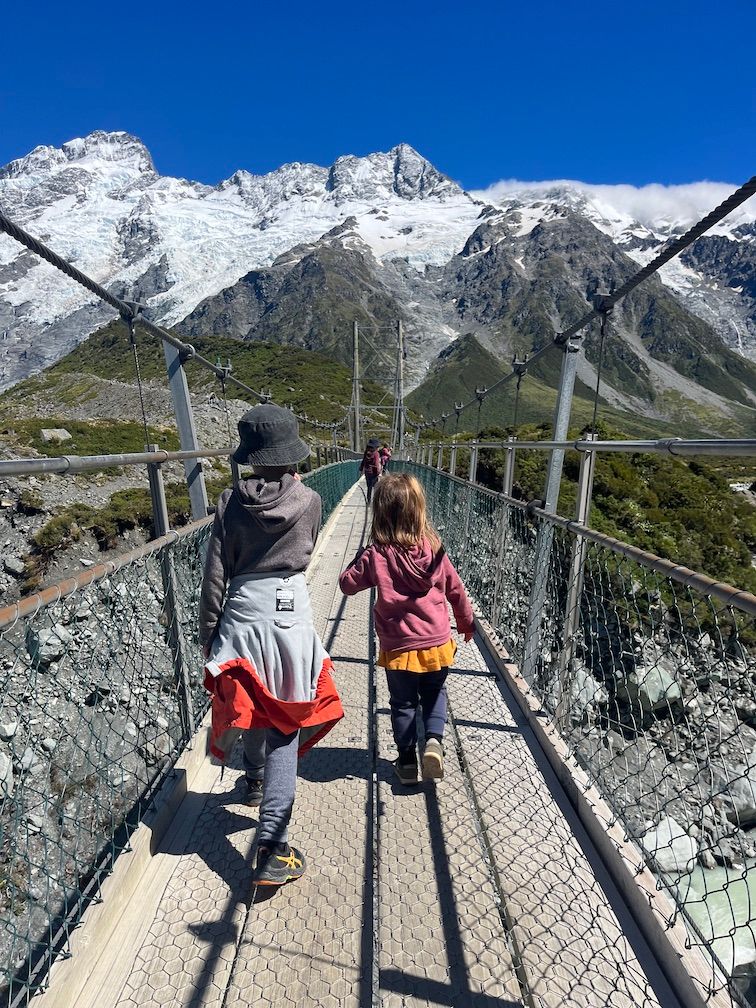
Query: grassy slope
(469,365)
(683,510)
(309,381)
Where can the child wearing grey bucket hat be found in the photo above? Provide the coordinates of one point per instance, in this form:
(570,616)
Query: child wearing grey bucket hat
(263,654)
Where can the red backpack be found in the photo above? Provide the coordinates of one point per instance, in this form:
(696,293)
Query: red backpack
(371,463)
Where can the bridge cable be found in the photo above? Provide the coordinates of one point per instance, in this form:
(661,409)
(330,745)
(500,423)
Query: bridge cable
(604,315)
(519,367)
(226,370)
(132,336)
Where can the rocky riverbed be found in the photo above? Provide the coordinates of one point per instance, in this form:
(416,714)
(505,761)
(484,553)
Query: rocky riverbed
(91,718)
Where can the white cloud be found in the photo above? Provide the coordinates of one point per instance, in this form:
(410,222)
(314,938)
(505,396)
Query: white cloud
(651,205)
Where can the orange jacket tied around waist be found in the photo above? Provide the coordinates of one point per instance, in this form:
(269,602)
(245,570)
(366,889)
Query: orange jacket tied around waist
(240,700)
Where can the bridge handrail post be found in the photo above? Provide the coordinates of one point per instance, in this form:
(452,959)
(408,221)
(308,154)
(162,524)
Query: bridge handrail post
(453,459)
(174,633)
(504,520)
(470,486)
(575,582)
(545,536)
(509,463)
(473,470)
(440,457)
(160,519)
(317,455)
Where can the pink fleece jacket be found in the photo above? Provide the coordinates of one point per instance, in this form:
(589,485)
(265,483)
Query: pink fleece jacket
(413,589)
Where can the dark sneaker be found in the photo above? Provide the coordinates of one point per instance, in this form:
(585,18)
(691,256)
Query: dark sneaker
(406,770)
(277,865)
(433,760)
(254,792)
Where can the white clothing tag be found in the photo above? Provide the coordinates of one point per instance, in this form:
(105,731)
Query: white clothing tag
(284,600)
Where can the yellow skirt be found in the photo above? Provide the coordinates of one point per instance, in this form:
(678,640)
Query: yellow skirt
(430,659)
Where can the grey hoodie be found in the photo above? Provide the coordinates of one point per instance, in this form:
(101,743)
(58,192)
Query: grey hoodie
(259,527)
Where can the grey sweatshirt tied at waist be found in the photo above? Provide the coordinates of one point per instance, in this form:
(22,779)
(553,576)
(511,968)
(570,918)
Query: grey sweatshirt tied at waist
(267,619)
(260,527)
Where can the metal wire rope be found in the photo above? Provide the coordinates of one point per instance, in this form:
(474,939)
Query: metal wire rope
(132,336)
(602,337)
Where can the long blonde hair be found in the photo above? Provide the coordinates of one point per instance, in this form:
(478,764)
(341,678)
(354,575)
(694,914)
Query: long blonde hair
(399,513)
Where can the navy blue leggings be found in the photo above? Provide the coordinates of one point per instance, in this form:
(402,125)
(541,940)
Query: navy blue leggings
(413,691)
(371,481)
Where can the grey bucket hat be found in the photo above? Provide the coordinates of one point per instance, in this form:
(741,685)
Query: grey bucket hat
(270,437)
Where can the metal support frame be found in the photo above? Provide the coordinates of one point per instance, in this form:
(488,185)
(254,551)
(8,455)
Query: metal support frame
(575,584)
(440,458)
(174,632)
(182,407)
(545,537)
(453,459)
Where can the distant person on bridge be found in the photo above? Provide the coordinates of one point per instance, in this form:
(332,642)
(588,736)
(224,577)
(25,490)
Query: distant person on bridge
(385,454)
(370,466)
(265,665)
(415,578)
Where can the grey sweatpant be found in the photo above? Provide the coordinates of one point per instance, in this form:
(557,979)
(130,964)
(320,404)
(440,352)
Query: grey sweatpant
(279,782)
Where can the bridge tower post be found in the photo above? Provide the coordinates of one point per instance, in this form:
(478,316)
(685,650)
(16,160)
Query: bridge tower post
(182,407)
(174,628)
(545,536)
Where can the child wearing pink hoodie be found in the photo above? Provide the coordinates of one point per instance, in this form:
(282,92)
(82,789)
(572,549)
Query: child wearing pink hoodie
(414,579)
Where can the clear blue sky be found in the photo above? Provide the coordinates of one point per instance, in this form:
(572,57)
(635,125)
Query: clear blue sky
(528,89)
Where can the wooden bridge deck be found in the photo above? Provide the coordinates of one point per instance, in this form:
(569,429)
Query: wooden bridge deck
(480,892)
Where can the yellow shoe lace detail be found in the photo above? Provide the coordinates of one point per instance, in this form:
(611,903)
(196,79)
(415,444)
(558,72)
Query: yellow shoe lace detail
(291,862)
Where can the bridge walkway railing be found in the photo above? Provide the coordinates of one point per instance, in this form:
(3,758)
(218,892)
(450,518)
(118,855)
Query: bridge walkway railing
(481,891)
(487,890)
(643,675)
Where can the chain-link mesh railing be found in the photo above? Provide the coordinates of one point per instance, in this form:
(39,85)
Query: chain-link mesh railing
(651,683)
(101,682)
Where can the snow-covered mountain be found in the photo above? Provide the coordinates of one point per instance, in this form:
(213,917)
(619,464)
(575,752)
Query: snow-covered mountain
(715,278)
(296,255)
(170,243)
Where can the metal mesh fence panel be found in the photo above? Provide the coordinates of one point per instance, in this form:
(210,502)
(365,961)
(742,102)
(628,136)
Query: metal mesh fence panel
(652,685)
(102,691)
(332,482)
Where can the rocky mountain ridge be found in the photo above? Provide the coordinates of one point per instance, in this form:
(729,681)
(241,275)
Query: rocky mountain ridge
(297,255)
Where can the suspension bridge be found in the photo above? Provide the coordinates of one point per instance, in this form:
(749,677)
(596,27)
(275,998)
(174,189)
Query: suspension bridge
(589,846)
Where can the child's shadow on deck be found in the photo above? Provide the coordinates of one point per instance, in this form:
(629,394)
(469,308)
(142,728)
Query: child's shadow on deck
(321,765)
